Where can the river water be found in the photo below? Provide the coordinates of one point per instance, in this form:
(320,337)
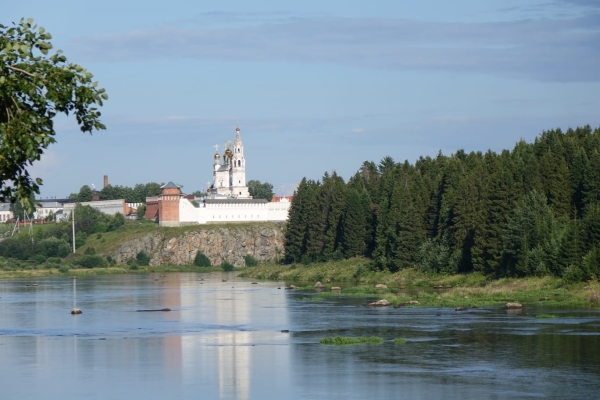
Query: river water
(223,340)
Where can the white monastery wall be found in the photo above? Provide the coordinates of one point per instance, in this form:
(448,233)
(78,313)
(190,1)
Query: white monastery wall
(241,212)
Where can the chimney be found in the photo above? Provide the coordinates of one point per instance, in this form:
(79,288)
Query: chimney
(105,180)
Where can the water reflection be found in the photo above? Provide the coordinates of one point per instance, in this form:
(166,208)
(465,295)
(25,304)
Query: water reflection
(223,340)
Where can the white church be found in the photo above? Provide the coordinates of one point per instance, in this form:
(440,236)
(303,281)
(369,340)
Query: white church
(228,198)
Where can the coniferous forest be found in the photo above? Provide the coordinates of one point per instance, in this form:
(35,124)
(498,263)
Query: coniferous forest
(534,210)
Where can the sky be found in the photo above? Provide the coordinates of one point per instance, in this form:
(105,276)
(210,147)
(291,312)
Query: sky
(315,86)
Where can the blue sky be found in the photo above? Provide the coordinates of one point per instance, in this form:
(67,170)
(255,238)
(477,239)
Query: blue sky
(316,86)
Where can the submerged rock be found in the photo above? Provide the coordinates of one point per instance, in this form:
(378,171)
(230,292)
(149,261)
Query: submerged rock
(460,309)
(76,311)
(379,303)
(162,309)
(380,286)
(513,306)
(319,285)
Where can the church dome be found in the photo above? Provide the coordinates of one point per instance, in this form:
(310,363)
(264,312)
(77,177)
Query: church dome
(237,129)
(228,153)
(217,155)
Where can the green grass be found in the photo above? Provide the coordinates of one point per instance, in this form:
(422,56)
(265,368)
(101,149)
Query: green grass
(546,316)
(358,279)
(399,340)
(313,299)
(343,340)
(115,270)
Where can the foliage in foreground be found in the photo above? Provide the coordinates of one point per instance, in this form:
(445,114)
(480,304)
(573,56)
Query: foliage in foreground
(343,340)
(34,87)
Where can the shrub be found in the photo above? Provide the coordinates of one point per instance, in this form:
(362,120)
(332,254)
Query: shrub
(80,238)
(38,258)
(399,340)
(53,247)
(53,260)
(305,259)
(63,269)
(227,266)
(142,258)
(250,261)
(98,236)
(91,261)
(201,260)
(90,251)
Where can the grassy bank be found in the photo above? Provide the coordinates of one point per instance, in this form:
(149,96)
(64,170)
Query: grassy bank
(116,270)
(357,278)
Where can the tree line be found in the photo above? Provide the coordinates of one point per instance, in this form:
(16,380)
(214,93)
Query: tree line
(135,194)
(534,210)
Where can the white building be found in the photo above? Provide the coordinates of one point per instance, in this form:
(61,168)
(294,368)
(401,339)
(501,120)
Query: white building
(228,201)
(5,212)
(229,178)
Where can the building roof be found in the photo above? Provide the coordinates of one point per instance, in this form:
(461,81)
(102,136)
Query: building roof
(171,185)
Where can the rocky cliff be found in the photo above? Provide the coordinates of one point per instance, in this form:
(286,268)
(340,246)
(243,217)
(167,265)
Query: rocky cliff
(218,243)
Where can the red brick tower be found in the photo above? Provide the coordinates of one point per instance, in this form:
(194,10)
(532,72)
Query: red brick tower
(168,211)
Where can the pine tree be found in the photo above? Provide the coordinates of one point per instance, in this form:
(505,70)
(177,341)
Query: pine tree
(354,224)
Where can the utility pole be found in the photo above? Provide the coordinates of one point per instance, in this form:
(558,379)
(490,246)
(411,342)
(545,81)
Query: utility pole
(73,218)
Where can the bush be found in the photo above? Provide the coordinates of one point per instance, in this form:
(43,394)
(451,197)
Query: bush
(39,258)
(53,260)
(142,258)
(63,269)
(90,251)
(53,247)
(250,261)
(201,260)
(92,261)
(227,266)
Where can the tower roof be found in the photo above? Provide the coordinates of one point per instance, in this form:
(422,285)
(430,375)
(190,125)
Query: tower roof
(238,139)
(171,185)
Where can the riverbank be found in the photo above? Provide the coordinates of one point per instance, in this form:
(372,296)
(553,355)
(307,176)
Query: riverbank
(356,278)
(116,270)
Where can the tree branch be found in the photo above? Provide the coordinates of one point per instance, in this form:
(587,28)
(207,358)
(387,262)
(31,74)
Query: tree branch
(21,70)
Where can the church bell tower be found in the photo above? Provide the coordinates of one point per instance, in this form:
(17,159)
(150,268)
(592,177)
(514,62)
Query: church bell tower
(238,168)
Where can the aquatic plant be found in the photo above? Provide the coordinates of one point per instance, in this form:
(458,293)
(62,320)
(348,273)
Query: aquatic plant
(399,340)
(343,340)
(546,316)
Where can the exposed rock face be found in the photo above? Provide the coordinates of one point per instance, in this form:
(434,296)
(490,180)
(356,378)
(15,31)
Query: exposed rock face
(380,286)
(223,243)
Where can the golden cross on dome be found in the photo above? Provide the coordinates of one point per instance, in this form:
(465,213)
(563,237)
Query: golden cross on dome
(216,146)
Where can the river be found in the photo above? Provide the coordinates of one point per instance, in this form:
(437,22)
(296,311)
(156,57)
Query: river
(224,340)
